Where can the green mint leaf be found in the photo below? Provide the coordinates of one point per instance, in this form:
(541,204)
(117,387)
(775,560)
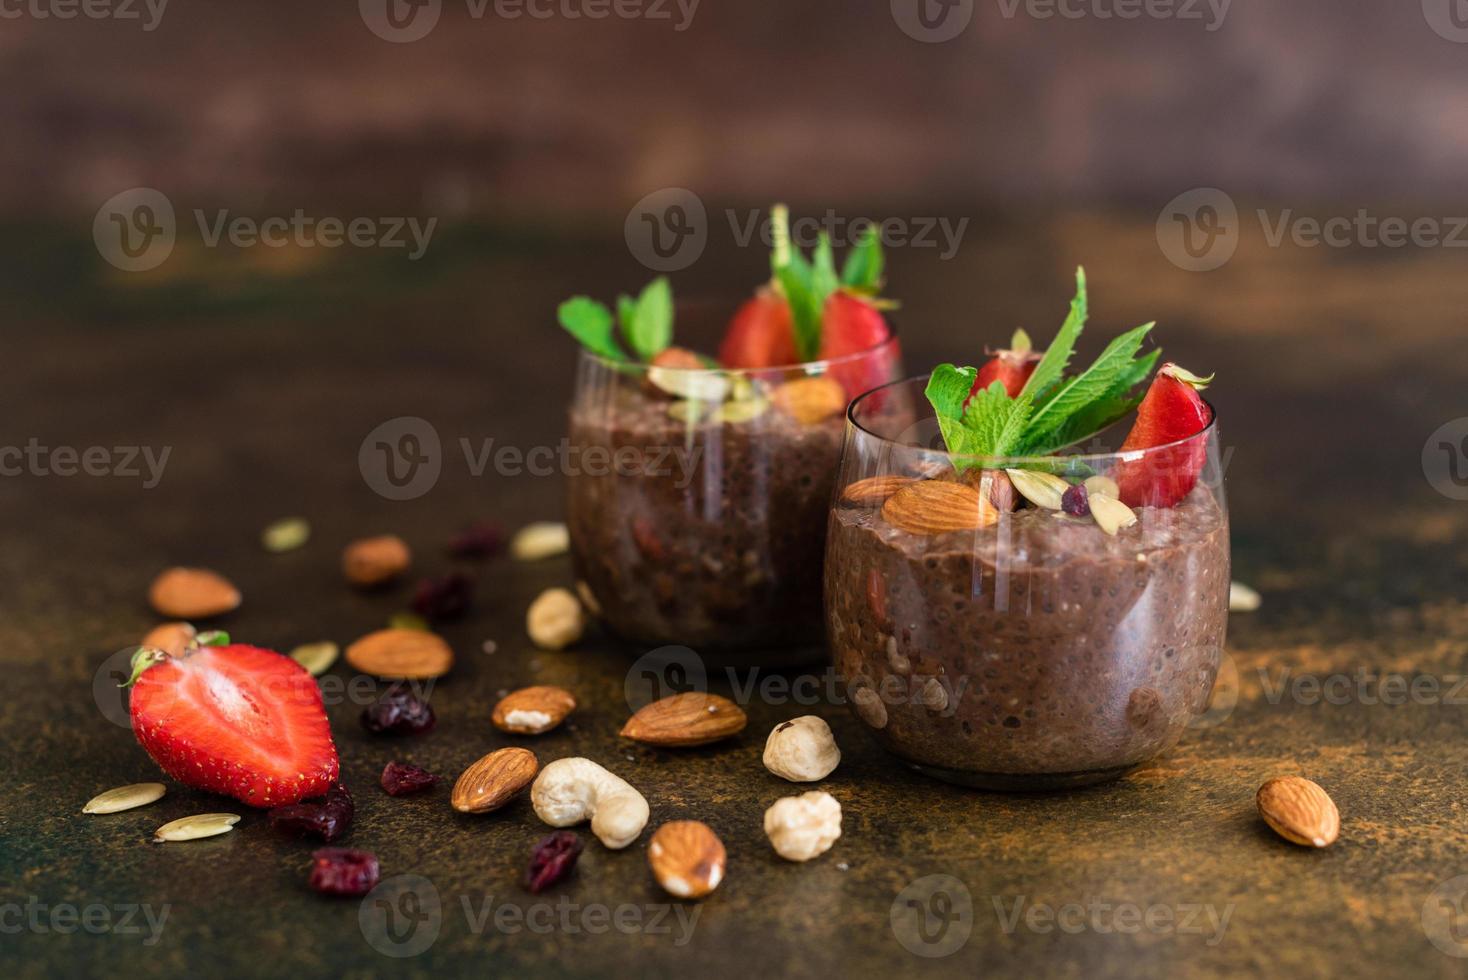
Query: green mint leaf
(948,389)
(626,310)
(797,280)
(1048,372)
(1100,381)
(990,426)
(865,263)
(998,420)
(590,323)
(1086,423)
(824,280)
(651,328)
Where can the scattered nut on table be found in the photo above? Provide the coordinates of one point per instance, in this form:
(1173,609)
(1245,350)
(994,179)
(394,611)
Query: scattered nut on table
(533,710)
(555,620)
(805,826)
(687,858)
(543,539)
(369,562)
(1299,811)
(802,750)
(569,791)
(193,593)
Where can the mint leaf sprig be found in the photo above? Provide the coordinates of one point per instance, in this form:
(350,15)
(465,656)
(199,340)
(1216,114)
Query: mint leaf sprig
(1052,411)
(645,323)
(808,283)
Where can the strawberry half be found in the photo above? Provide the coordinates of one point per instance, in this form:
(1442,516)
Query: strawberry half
(1013,367)
(1172,411)
(236,720)
(851,325)
(760,335)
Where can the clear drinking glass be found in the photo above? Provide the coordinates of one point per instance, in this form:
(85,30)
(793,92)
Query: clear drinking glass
(698,498)
(1036,652)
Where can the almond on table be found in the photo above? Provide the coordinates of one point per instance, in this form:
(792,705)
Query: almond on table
(685,720)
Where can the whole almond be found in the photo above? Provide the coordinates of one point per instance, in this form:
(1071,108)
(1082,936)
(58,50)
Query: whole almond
(193,593)
(693,718)
(401,654)
(494,780)
(937,506)
(173,638)
(375,561)
(533,710)
(810,400)
(875,489)
(687,858)
(1299,811)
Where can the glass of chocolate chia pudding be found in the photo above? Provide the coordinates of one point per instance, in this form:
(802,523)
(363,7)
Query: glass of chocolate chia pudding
(1024,623)
(698,509)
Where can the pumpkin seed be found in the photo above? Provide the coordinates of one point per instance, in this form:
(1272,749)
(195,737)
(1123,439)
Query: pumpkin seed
(1241,598)
(407,621)
(286,535)
(125,798)
(196,826)
(317,658)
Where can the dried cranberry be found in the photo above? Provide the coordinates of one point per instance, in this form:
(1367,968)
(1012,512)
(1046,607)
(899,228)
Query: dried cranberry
(553,859)
(398,712)
(446,597)
(400,779)
(1076,501)
(328,818)
(343,871)
(479,540)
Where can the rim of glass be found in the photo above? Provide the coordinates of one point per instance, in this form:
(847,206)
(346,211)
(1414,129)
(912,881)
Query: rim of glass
(809,367)
(1129,455)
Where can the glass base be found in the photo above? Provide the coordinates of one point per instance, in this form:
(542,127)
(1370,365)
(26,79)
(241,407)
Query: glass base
(1013,782)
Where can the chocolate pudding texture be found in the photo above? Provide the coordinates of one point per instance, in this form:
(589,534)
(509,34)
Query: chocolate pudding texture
(1036,653)
(715,541)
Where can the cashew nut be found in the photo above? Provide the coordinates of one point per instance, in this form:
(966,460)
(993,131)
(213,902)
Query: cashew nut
(802,750)
(569,791)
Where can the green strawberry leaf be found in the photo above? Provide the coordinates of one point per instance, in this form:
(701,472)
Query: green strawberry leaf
(865,263)
(590,323)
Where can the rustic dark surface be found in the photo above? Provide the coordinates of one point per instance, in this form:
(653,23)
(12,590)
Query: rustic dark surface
(265,377)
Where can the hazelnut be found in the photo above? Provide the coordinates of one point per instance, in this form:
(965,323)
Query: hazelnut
(805,826)
(375,561)
(802,750)
(555,620)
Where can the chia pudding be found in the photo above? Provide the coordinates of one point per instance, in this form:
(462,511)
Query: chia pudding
(714,539)
(1035,653)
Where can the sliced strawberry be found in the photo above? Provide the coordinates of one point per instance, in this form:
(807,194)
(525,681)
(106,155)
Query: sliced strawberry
(1172,411)
(236,720)
(1013,367)
(852,325)
(760,335)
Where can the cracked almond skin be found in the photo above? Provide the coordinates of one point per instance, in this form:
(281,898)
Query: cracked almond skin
(938,506)
(533,710)
(875,489)
(810,400)
(687,858)
(1299,811)
(494,780)
(684,720)
(193,593)
(369,562)
(401,654)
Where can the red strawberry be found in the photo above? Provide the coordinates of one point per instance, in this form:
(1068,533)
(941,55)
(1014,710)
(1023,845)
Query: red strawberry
(760,335)
(1172,411)
(852,325)
(1013,367)
(236,720)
